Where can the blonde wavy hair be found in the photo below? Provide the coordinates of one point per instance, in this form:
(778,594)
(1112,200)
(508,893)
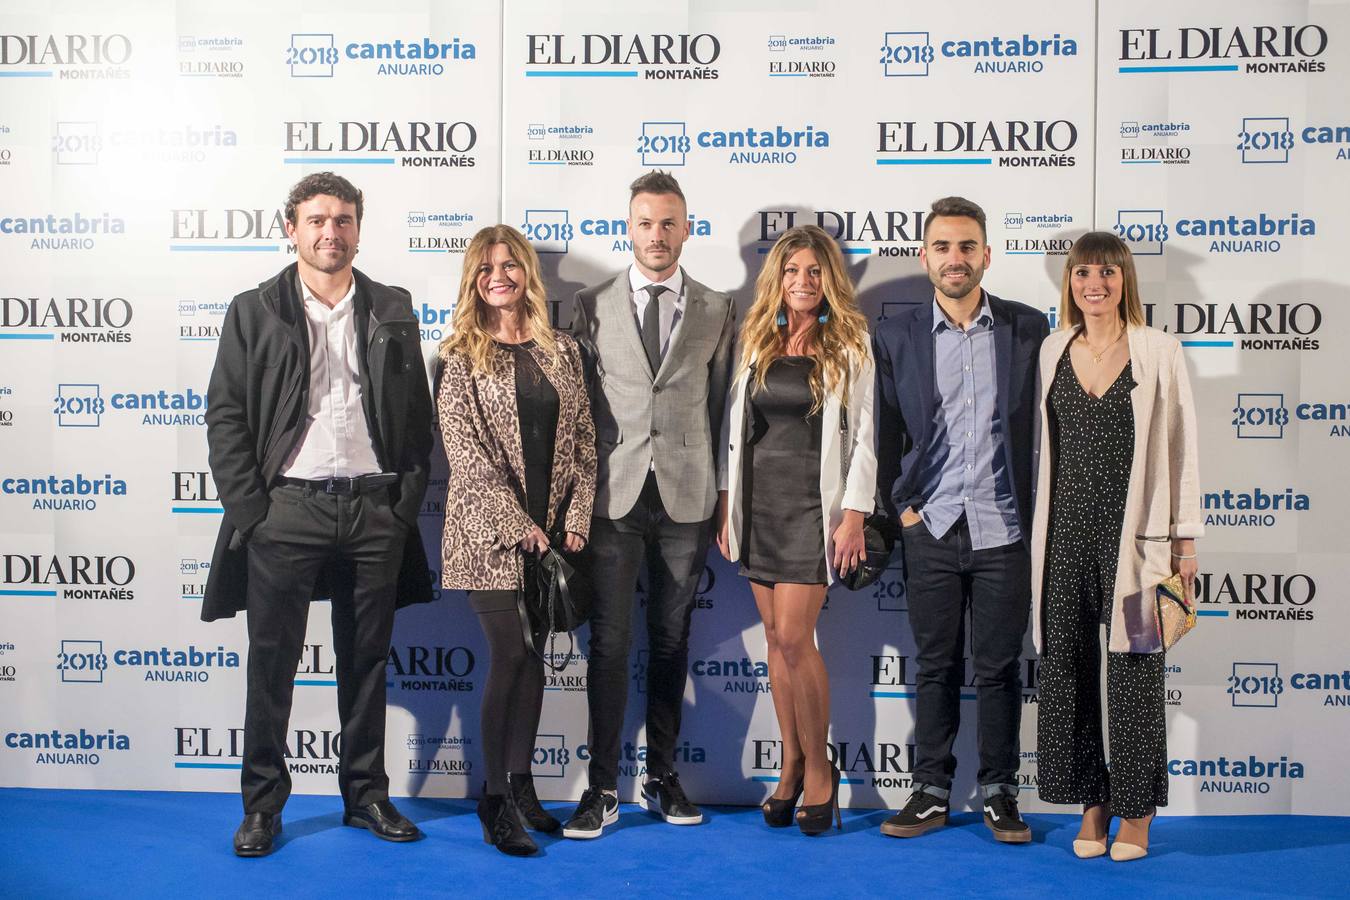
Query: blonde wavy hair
(468,335)
(840,342)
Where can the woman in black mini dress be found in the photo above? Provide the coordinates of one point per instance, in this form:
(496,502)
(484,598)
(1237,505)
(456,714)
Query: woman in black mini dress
(796,483)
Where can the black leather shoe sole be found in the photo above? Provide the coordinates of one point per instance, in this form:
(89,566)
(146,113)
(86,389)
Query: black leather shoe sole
(1006,836)
(908,831)
(263,849)
(357,822)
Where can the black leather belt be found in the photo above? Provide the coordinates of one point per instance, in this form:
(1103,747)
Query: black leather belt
(356,484)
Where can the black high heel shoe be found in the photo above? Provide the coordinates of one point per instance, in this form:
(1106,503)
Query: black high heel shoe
(527,802)
(503,826)
(816,819)
(778,813)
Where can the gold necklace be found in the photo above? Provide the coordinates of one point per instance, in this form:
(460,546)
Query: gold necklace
(1096,356)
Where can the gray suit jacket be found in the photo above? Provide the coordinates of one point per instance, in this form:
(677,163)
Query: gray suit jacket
(668,417)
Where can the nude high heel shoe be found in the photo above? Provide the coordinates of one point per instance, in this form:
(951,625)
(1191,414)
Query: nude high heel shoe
(1122,851)
(1086,849)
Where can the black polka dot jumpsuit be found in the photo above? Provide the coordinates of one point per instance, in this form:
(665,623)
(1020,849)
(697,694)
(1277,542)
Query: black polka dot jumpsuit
(1092,440)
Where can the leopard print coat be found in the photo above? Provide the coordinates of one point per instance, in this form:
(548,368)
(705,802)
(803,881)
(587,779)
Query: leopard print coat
(485,518)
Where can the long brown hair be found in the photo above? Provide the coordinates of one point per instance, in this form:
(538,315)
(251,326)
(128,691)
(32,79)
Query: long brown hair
(1101,248)
(841,341)
(467,332)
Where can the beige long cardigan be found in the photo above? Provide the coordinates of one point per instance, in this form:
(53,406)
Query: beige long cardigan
(1163,499)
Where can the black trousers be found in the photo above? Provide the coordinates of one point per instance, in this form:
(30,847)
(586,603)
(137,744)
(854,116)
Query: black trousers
(1070,751)
(359,542)
(676,554)
(944,579)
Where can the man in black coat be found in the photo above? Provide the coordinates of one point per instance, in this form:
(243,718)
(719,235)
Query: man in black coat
(320,432)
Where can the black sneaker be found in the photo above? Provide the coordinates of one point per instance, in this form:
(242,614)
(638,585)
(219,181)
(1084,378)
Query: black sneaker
(596,810)
(1000,814)
(665,797)
(922,813)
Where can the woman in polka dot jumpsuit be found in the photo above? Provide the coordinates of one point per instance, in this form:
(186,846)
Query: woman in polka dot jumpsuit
(1092,374)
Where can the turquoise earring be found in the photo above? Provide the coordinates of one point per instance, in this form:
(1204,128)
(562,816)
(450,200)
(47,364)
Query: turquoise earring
(824,315)
(782,319)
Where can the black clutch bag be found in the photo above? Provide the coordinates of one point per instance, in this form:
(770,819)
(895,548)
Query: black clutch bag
(879,541)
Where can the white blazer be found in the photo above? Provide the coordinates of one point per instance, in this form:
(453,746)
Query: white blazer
(835,496)
(1162,501)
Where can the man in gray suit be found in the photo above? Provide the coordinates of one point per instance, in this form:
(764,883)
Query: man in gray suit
(659,349)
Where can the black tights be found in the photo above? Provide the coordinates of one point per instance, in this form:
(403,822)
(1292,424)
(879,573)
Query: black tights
(514,695)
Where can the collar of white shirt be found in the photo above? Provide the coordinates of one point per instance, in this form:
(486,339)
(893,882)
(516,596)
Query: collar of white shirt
(311,297)
(637,281)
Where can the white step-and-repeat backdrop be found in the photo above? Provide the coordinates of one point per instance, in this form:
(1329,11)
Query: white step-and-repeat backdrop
(145,153)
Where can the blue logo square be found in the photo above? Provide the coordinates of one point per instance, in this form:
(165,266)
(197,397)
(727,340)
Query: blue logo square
(1145,230)
(1256,685)
(311,55)
(548,230)
(906,54)
(551,756)
(663,144)
(1260,416)
(1265,140)
(78,406)
(82,662)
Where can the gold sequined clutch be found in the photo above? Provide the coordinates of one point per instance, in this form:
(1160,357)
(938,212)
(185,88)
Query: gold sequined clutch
(1176,617)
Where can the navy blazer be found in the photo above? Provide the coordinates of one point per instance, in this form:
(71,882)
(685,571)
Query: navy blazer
(906,399)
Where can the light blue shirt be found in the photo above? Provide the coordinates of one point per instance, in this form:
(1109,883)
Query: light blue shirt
(966,469)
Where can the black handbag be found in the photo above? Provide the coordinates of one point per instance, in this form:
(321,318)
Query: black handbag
(879,539)
(878,530)
(555,599)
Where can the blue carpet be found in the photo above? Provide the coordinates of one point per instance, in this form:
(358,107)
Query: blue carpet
(154,844)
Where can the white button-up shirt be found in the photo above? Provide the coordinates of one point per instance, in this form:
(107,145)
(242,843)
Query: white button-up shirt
(335,442)
(671,313)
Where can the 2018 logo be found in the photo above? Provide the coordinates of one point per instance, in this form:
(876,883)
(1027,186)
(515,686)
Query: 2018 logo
(667,144)
(210,56)
(913,53)
(82,406)
(316,55)
(1265,416)
(1147,231)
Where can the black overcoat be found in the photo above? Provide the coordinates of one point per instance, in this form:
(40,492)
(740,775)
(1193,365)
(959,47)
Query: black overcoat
(256,405)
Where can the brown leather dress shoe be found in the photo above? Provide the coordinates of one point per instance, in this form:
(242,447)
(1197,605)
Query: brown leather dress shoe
(254,835)
(383,820)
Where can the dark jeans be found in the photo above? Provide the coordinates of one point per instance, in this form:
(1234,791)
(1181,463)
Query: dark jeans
(360,543)
(676,553)
(944,578)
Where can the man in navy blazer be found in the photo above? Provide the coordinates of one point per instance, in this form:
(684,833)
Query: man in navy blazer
(956,424)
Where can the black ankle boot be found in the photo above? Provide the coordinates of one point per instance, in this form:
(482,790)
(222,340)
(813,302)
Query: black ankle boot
(527,801)
(503,827)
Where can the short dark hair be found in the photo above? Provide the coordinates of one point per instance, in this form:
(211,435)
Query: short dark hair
(329,183)
(959,206)
(657,182)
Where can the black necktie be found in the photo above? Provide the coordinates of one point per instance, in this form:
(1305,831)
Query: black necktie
(651,326)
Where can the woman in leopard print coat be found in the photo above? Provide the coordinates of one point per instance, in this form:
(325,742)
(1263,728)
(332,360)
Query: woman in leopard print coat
(516,423)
